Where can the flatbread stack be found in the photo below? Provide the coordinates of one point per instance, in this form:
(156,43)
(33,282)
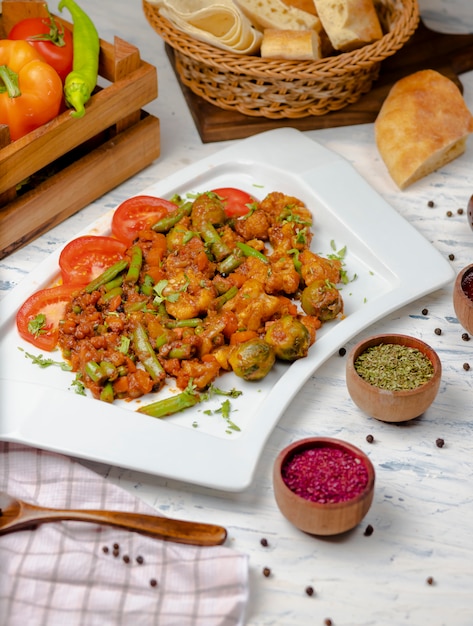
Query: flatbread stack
(221,24)
(422,125)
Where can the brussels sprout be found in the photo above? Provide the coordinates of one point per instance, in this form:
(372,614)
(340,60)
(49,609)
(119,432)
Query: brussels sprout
(289,338)
(252,360)
(322,300)
(207,209)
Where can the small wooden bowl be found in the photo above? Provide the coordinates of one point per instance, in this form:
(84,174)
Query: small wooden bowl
(314,517)
(462,304)
(386,405)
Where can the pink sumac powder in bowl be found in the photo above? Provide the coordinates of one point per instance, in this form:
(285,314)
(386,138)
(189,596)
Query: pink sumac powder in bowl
(322,485)
(326,475)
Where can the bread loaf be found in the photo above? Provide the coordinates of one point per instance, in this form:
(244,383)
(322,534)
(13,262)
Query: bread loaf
(304,5)
(292,45)
(349,24)
(276,14)
(422,125)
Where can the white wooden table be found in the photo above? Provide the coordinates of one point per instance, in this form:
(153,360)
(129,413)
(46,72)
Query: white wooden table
(422,512)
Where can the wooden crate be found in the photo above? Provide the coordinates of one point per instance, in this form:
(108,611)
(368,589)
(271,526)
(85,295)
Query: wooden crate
(56,170)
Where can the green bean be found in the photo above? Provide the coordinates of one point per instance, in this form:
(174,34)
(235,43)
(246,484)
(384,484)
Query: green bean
(166,223)
(131,307)
(145,353)
(109,295)
(250,251)
(180,353)
(172,405)
(94,371)
(109,274)
(189,323)
(81,82)
(233,260)
(225,297)
(135,265)
(116,282)
(219,248)
(107,395)
(109,370)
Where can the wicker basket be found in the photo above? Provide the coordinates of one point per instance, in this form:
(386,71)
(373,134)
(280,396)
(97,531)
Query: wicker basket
(279,89)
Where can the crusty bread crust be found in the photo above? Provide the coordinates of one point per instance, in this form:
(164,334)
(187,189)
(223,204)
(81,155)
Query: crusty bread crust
(291,45)
(349,24)
(304,5)
(275,14)
(422,125)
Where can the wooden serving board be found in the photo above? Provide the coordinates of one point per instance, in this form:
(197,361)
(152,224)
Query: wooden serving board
(449,54)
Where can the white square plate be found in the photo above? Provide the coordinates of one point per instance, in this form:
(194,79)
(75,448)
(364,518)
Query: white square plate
(393,265)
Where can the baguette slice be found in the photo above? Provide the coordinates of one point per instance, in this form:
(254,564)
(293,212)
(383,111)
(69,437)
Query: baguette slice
(291,45)
(422,125)
(275,14)
(349,24)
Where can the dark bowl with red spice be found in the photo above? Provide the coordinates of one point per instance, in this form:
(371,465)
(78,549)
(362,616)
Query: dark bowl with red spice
(393,377)
(463,298)
(324,486)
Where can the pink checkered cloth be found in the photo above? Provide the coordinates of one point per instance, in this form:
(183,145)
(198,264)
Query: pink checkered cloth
(67,573)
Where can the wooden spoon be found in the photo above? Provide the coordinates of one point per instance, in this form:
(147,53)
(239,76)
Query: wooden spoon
(16,514)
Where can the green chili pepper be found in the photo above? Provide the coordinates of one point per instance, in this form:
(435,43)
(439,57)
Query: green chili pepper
(80,83)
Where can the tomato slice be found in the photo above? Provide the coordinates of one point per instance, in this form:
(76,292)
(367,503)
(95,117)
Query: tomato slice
(235,201)
(38,318)
(84,258)
(138,213)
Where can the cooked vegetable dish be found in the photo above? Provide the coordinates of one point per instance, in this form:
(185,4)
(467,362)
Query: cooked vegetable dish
(212,283)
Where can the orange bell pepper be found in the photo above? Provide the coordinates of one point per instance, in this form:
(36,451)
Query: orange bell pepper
(30,89)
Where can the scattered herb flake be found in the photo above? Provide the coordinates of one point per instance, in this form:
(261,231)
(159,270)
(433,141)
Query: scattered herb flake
(46,362)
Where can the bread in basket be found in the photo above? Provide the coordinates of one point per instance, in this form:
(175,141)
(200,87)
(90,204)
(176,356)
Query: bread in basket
(279,89)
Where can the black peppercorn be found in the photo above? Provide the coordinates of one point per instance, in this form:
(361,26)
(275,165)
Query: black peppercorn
(466,366)
(425,311)
(105,549)
(369,438)
(451,257)
(116,552)
(264,542)
(126,558)
(449,214)
(460,211)
(438,331)
(466,337)
(342,351)
(153,582)
(439,442)
(140,560)
(368,531)
(328,621)
(116,546)
(430,203)
(430,580)
(309,591)
(266,572)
